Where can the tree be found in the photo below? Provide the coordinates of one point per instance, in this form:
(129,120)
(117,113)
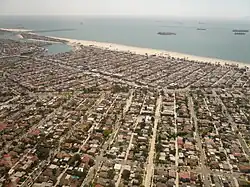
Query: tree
(158,147)
(120,149)
(162,92)
(38,104)
(111,184)
(106,133)
(111,173)
(74,159)
(42,153)
(125,174)
(14,143)
(54,171)
(145,153)
(80,174)
(91,162)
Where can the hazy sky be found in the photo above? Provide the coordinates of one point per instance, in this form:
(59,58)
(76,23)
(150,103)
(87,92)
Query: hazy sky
(190,8)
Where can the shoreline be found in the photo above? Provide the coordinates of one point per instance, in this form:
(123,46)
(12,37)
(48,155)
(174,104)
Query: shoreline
(143,51)
(75,43)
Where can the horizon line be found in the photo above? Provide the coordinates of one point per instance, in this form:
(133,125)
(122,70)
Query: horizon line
(130,15)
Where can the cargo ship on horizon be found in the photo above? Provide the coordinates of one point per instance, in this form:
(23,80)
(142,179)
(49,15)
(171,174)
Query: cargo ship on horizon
(201,29)
(240,30)
(166,33)
(239,33)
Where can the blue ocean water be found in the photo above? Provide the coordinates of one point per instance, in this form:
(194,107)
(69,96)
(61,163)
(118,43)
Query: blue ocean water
(218,41)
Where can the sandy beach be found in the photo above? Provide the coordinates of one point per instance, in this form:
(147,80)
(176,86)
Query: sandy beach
(142,51)
(138,50)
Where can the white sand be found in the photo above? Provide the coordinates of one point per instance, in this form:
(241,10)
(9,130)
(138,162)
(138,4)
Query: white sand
(143,51)
(117,47)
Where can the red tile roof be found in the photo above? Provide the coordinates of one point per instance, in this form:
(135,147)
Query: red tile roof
(35,132)
(184,175)
(237,154)
(98,185)
(85,159)
(2,126)
(180,141)
(6,156)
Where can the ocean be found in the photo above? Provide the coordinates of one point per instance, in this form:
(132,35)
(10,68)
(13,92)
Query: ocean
(217,41)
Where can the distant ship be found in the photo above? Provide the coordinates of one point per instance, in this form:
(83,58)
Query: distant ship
(239,33)
(235,30)
(166,33)
(201,29)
